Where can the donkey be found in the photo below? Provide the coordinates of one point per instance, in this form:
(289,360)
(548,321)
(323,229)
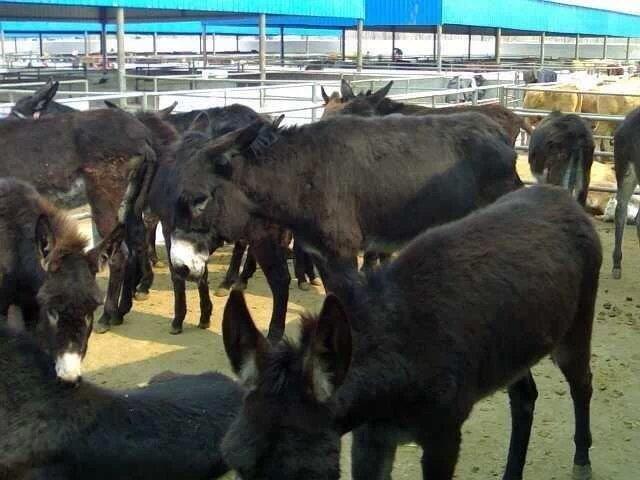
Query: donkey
(627,167)
(377,104)
(46,273)
(194,225)
(97,149)
(379,182)
(561,153)
(405,354)
(170,429)
(39,103)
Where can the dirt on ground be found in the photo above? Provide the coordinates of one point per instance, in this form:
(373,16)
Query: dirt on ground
(142,347)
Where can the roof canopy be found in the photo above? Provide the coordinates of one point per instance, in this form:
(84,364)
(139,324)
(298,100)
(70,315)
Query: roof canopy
(160,10)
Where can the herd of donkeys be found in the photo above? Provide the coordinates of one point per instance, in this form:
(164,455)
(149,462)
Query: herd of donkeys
(491,278)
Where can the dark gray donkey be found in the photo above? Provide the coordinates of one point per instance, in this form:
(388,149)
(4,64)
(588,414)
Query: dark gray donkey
(466,309)
(349,182)
(171,429)
(561,153)
(45,271)
(626,143)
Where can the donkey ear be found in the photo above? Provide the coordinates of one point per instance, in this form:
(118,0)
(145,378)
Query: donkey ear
(165,112)
(331,349)
(100,255)
(276,123)
(346,91)
(201,123)
(325,97)
(376,97)
(45,240)
(110,104)
(242,138)
(243,342)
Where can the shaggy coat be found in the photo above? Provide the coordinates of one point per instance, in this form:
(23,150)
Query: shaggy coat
(379,181)
(466,309)
(377,104)
(100,148)
(196,225)
(45,271)
(561,153)
(170,429)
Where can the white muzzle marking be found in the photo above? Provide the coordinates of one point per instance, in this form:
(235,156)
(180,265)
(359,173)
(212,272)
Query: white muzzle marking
(184,254)
(69,367)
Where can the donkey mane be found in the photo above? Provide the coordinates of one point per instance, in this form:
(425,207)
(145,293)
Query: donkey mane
(68,238)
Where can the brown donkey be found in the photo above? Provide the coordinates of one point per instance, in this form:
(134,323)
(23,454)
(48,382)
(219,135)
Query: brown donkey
(97,149)
(45,271)
(466,309)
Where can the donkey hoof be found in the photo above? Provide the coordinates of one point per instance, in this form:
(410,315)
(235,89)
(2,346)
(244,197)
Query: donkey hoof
(316,282)
(175,330)
(204,325)
(304,286)
(240,286)
(101,327)
(159,264)
(116,320)
(141,296)
(582,472)
(221,292)
(616,273)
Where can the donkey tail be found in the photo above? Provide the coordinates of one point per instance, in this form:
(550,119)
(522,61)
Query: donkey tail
(574,175)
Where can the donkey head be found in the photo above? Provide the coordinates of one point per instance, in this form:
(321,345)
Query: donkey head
(69,294)
(364,104)
(285,428)
(207,209)
(32,106)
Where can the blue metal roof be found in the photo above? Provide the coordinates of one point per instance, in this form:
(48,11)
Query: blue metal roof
(169,28)
(538,15)
(329,8)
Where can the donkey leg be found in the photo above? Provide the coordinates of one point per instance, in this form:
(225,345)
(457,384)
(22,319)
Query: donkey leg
(110,314)
(369,261)
(625,190)
(206,307)
(522,397)
(372,453)
(249,268)
(151,225)
(273,260)
(233,271)
(573,358)
(440,453)
(300,265)
(179,290)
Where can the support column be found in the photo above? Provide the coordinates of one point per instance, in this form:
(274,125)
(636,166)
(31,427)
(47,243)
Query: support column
(306,45)
(576,53)
(237,43)
(469,46)
(2,44)
(155,43)
(498,44)
(103,37)
(343,44)
(213,41)
(439,47)
(262,27)
(393,45)
(86,44)
(542,39)
(205,60)
(282,46)
(605,41)
(41,46)
(628,48)
(122,69)
(359,46)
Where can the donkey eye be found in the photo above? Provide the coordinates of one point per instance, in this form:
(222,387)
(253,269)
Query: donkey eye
(52,316)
